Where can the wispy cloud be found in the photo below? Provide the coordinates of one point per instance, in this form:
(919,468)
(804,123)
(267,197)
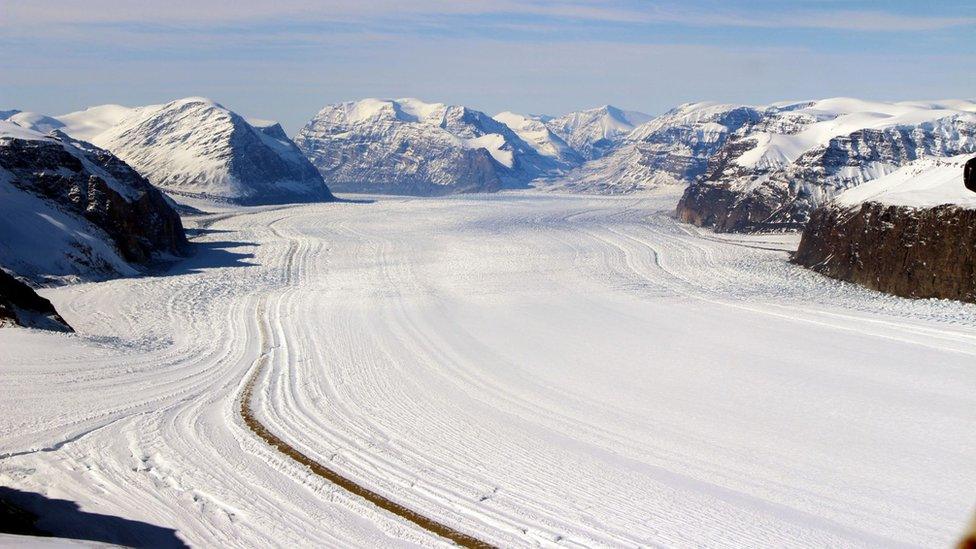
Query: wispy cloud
(34,13)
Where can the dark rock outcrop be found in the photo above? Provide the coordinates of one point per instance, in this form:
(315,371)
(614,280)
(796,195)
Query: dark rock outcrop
(910,252)
(724,210)
(969,174)
(94,184)
(21,306)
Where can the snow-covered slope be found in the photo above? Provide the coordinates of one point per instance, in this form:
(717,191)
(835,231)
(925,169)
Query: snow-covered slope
(595,132)
(412,147)
(70,211)
(924,183)
(196,147)
(534,131)
(673,148)
(772,173)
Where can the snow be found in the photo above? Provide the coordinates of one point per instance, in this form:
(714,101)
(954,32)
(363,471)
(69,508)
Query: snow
(924,183)
(37,122)
(12,130)
(842,116)
(495,145)
(529,369)
(13,541)
(195,146)
(88,124)
(534,131)
(407,109)
(42,242)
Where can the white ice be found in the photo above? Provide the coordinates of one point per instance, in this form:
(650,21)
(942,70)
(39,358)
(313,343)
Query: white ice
(529,369)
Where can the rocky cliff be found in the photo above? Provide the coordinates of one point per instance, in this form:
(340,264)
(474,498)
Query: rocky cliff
(912,234)
(21,306)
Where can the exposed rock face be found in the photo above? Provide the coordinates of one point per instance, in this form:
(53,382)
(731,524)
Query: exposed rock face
(196,147)
(674,148)
(72,210)
(911,233)
(406,146)
(21,306)
(771,174)
(905,251)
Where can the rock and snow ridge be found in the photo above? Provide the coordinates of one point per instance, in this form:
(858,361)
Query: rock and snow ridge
(911,233)
(407,146)
(673,148)
(70,211)
(594,132)
(198,148)
(534,130)
(773,172)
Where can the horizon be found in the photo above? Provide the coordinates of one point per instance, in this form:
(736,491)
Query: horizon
(286,62)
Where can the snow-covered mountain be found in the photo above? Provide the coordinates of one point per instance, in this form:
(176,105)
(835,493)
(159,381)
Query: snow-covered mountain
(772,172)
(911,232)
(673,148)
(534,131)
(594,132)
(196,147)
(71,211)
(411,147)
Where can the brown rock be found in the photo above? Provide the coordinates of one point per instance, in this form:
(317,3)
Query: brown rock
(910,252)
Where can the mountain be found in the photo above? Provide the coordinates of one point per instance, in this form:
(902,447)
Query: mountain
(195,147)
(407,146)
(534,131)
(594,132)
(911,233)
(21,306)
(673,148)
(773,172)
(70,211)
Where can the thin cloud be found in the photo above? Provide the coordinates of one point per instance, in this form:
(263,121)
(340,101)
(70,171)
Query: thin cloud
(21,14)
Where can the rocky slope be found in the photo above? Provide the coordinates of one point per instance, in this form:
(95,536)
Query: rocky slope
(71,211)
(674,148)
(911,233)
(406,146)
(21,306)
(595,132)
(771,173)
(196,147)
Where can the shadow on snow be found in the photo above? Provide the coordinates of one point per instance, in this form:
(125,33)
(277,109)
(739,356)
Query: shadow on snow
(29,513)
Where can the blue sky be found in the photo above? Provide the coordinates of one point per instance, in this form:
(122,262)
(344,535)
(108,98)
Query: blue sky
(286,59)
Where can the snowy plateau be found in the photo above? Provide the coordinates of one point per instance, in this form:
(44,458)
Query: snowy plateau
(538,352)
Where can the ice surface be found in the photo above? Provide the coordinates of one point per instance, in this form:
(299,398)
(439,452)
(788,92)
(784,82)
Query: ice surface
(533,370)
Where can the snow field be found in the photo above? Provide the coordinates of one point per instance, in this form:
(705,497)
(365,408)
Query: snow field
(528,369)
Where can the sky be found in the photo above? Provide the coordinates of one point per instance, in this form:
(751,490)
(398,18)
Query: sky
(286,59)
